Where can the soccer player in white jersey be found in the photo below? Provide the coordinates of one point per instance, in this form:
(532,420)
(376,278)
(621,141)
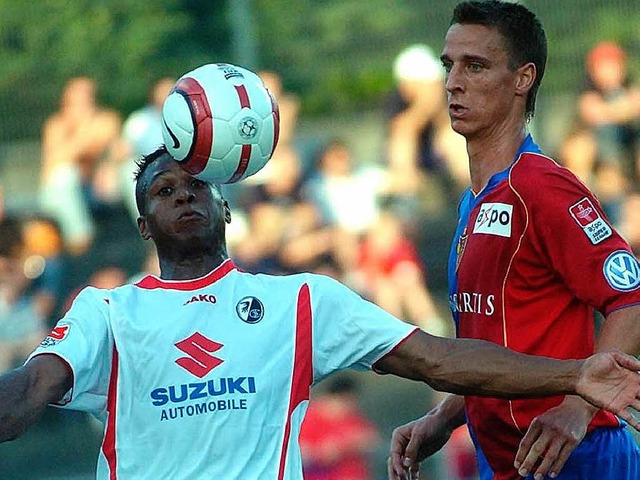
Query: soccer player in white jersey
(205,371)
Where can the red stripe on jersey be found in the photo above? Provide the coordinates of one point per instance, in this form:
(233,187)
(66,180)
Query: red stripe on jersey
(202,142)
(245,156)
(302,367)
(109,442)
(275,111)
(150,282)
(243,96)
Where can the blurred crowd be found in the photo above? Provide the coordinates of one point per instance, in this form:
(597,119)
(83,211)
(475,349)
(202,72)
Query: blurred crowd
(325,209)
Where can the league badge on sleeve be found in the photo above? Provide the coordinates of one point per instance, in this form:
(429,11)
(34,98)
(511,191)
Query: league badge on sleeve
(622,271)
(56,335)
(589,219)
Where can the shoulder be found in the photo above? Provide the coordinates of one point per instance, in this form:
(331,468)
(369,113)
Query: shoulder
(92,298)
(538,178)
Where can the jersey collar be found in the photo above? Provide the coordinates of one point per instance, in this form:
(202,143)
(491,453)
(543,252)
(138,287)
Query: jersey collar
(151,282)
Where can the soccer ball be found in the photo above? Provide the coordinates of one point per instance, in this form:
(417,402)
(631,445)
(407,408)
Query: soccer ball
(220,122)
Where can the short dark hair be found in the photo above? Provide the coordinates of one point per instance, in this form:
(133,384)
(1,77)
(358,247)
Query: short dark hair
(525,35)
(141,167)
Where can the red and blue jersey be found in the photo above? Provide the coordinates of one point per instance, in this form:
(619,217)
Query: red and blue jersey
(532,257)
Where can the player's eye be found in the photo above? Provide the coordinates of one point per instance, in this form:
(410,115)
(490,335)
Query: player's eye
(197,183)
(447,66)
(165,191)
(475,67)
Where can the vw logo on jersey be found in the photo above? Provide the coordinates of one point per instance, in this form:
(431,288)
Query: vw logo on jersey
(622,271)
(250,310)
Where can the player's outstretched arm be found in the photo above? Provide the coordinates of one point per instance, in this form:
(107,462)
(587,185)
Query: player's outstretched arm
(475,367)
(26,391)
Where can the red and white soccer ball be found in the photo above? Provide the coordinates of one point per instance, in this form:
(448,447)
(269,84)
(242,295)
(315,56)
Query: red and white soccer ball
(221,123)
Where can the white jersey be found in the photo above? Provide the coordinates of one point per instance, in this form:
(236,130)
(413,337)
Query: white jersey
(210,378)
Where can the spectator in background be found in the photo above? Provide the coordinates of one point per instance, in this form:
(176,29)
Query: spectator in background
(630,221)
(81,149)
(142,133)
(346,197)
(2,207)
(610,107)
(45,247)
(337,438)
(391,274)
(579,153)
(283,232)
(106,276)
(288,105)
(22,309)
(425,156)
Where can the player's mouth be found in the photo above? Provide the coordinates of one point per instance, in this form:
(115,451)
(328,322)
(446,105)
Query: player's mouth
(456,110)
(191,215)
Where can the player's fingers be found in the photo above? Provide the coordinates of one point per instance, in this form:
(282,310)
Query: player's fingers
(627,361)
(399,442)
(409,463)
(628,417)
(561,459)
(393,472)
(526,443)
(534,453)
(414,472)
(549,459)
(394,467)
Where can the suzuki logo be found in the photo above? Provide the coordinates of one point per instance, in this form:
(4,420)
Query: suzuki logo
(198,347)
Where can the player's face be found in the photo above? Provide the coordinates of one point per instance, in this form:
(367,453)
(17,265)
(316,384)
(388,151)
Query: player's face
(181,210)
(481,89)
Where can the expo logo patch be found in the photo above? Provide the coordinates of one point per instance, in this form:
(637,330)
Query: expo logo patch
(494,219)
(589,219)
(58,334)
(622,271)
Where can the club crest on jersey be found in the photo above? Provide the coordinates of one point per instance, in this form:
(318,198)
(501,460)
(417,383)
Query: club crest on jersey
(622,271)
(589,219)
(494,219)
(250,310)
(56,335)
(462,243)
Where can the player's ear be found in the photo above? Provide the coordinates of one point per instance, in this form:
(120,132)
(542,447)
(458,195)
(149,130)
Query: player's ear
(227,211)
(526,75)
(142,228)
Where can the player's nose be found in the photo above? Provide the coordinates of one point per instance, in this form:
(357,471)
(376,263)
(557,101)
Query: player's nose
(185,195)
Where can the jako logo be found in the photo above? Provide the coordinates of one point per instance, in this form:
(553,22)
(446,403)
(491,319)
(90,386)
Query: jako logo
(201,298)
(198,347)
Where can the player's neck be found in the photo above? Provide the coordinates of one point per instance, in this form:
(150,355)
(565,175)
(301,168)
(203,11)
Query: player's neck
(191,267)
(489,155)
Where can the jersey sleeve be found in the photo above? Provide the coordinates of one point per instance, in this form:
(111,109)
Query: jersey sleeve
(572,230)
(83,340)
(348,331)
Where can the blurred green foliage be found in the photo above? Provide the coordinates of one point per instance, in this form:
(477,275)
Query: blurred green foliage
(336,55)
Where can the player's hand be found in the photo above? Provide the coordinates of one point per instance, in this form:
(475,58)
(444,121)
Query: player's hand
(611,381)
(412,443)
(552,437)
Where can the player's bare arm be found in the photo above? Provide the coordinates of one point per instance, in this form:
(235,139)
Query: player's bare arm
(475,367)
(26,391)
(557,432)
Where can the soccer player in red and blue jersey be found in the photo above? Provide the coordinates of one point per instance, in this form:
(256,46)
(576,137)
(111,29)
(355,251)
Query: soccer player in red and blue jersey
(532,257)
